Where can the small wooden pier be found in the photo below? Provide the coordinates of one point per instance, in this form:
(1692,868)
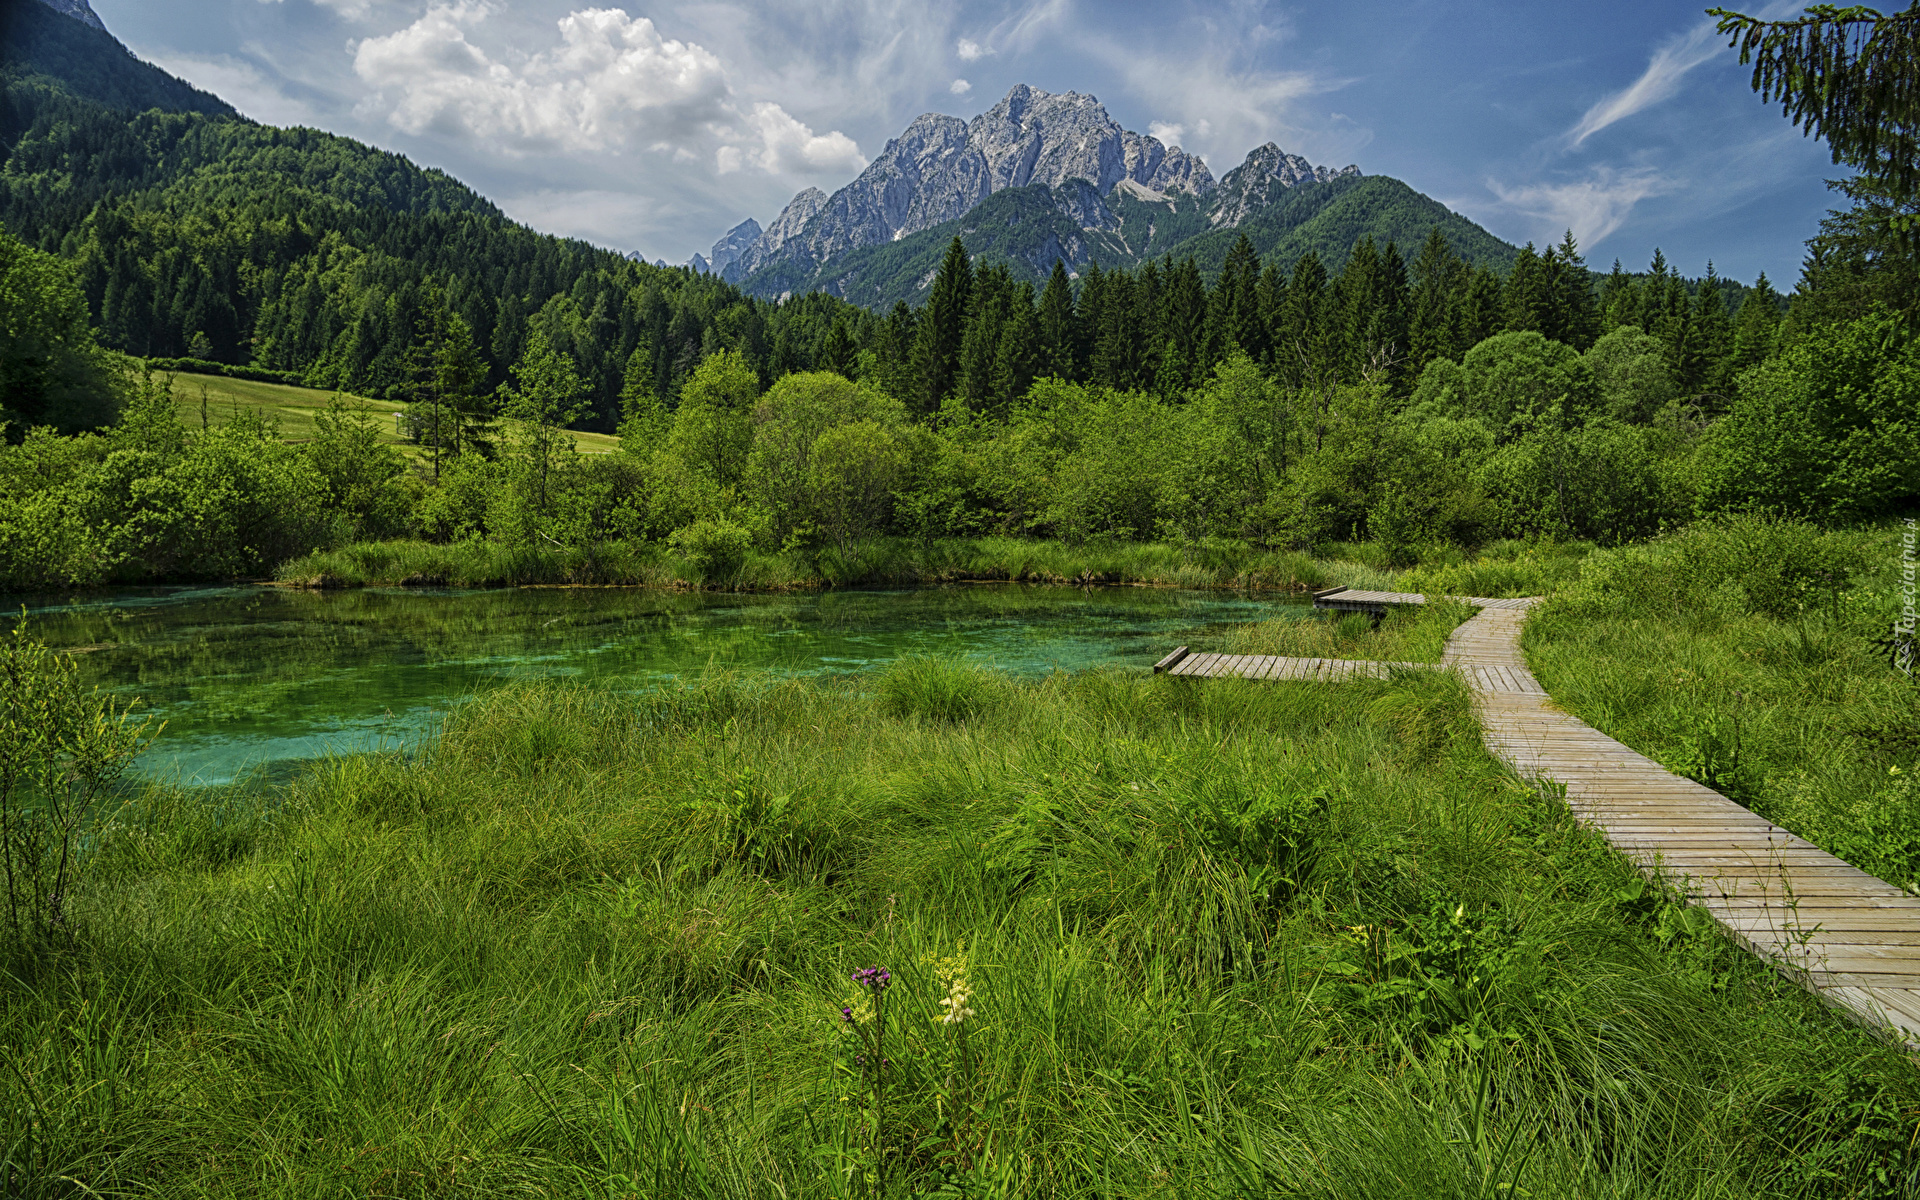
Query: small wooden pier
(1848,937)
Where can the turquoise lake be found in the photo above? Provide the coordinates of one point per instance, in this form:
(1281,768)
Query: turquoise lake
(254,679)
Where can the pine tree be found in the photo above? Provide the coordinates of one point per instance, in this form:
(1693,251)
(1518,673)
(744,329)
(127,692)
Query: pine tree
(1576,318)
(1119,353)
(1234,306)
(1183,323)
(836,350)
(1528,295)
(981,344)
(1439,276)
(1056,318)
(895,352)
(1712,339)
(937,344)
(1302,349)
(1619,300)
(1017,360)
(1757,326)
(1482,309)
(1091,312)
(1272,299)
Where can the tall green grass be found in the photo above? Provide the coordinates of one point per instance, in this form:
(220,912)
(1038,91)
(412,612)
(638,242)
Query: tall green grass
(1406,634)
(1503,569)
(1750,654)
(1224,939)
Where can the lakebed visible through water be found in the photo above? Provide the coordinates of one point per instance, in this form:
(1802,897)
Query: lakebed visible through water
(254,679)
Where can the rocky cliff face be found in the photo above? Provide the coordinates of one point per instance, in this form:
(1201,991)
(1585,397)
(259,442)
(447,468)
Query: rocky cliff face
(728,249)
(1258,182)
(792,219)
(79,10)
(1033,137)
(941,166)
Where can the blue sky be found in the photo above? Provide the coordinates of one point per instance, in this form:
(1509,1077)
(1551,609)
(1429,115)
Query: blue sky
(657,127)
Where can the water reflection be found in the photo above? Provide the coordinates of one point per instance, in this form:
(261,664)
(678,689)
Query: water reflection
(253,676)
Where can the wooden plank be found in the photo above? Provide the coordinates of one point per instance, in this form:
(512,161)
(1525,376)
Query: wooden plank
(1179,653)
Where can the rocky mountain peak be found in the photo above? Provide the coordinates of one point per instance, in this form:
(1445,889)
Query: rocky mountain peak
(728,249)
(1259,180)
(79,10)
(940,167)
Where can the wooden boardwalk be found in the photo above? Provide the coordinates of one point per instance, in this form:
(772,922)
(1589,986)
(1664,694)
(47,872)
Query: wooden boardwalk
(1850,938)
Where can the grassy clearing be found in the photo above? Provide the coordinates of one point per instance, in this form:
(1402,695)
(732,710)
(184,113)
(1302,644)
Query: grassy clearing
(294,408)
(1221,939)
(1743,654)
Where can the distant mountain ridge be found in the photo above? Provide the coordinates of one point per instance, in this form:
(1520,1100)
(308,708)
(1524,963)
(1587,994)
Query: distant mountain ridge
(1042,177)
(940,167)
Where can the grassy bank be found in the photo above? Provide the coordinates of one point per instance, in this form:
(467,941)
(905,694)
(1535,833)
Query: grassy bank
(1751,655)
(1220,939)
(1404,635)
(1504,569)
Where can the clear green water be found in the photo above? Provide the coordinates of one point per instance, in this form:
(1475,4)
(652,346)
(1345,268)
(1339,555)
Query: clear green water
(252,678)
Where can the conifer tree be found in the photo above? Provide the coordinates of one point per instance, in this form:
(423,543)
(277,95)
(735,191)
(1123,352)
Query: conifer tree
(1528,293)
(1482,310)
(1272,299)
(1090,313)
(1119,354)
(836,350)
(1056,325)
(895,353)
(1302,349)
(980,345)
(1711,345)
(937,343)
(1017,359)
(1576,317)
(1234,307)
(1619,300)
(1438,277)
(1757,326)
(1183,324)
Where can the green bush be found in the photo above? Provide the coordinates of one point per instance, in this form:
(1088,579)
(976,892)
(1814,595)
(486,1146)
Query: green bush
(717,548)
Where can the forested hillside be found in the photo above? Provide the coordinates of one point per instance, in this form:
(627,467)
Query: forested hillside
(199,234)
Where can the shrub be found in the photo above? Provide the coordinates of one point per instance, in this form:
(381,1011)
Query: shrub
(717,548)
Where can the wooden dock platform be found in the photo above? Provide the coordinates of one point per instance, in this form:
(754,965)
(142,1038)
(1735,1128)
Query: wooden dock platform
(1848,937)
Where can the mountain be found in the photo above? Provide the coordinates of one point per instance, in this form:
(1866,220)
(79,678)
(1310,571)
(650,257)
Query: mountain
(75,54)
(1040,177)
(79,10)
(728,249)
(1026,229)
(941,167)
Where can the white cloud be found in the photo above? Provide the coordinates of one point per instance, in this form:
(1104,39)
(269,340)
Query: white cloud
(790,148)
(614,81)
(1660,80)
(960,87)
(1166,132)
(1593,207)
(970,50)
(351,9)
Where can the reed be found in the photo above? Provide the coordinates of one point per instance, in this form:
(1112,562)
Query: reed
(1217,938)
